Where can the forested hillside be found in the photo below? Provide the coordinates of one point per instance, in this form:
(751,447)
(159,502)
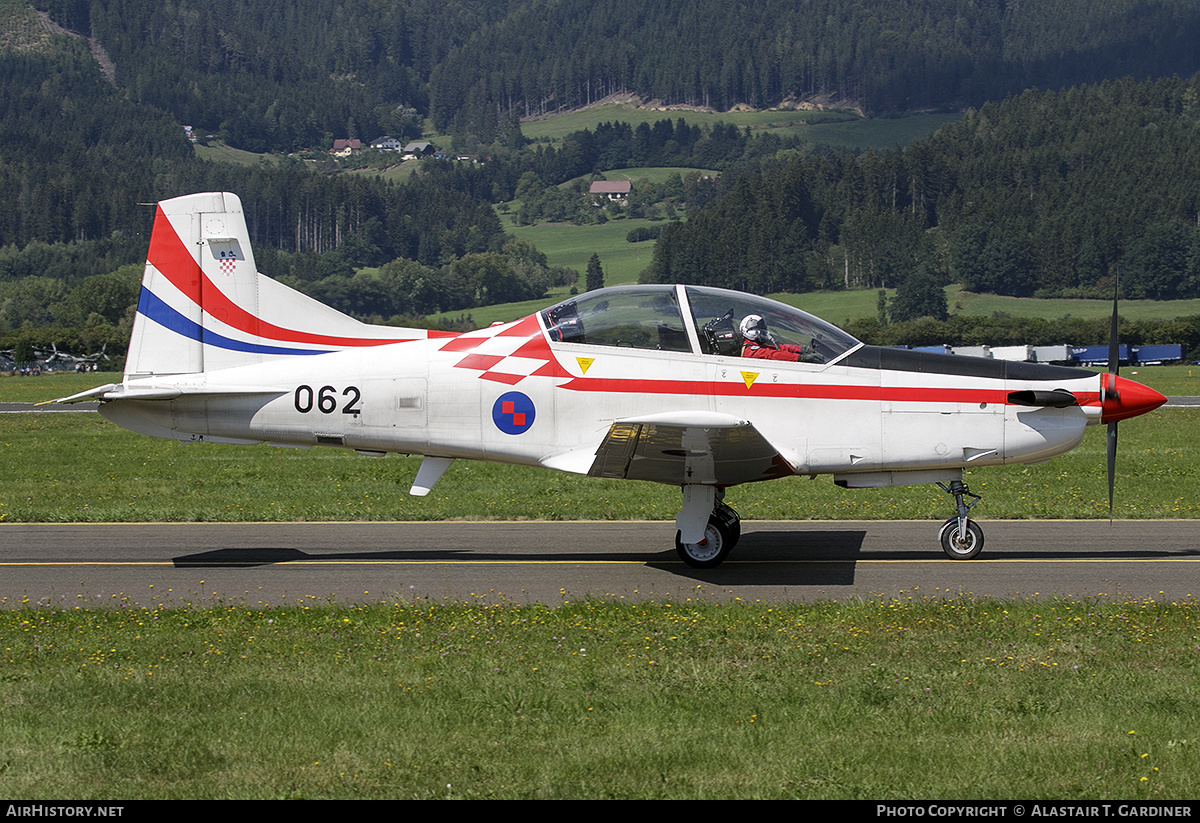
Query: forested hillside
(884,55)
(1047,193)
(281,76)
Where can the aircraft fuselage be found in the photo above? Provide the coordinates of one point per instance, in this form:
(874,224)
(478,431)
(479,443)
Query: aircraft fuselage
(875,411)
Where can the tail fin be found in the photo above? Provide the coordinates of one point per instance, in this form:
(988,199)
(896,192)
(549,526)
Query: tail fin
(204,306)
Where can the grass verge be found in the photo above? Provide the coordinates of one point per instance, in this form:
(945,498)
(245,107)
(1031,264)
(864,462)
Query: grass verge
(603,699)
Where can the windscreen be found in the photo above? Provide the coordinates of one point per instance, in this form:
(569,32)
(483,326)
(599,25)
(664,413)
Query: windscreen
(639,317)
(718,314)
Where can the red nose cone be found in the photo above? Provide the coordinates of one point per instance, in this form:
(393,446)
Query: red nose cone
(1129,400)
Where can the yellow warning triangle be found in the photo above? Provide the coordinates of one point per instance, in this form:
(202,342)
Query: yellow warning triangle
(585,363)
(749,377)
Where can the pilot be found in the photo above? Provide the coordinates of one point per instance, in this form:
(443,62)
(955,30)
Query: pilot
(757,342)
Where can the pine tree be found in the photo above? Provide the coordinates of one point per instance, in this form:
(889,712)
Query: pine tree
(595,273)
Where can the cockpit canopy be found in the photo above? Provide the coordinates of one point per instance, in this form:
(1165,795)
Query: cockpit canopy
(680,318)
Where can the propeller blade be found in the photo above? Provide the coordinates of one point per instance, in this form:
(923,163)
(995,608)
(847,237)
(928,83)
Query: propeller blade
(1114,366)
(1114,347)
(1111,449)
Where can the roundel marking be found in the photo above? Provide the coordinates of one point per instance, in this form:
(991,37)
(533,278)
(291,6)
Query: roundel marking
(513,413)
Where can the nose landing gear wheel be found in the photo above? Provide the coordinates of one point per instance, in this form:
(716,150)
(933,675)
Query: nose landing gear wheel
(961,538)
(720,536)
(961,546)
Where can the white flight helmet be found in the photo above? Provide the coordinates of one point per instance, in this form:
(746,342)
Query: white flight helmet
(754,329)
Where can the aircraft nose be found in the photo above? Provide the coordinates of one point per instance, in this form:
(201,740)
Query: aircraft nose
(1128,400)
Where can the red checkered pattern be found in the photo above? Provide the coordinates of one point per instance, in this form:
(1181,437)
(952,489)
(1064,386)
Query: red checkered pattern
(507,354)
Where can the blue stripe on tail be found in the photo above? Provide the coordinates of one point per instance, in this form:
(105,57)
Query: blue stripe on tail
(152,307)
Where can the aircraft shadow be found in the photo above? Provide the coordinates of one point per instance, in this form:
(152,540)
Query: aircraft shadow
(787,558)
(822,558)
(794,557)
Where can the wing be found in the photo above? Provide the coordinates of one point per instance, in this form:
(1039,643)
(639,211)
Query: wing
(683,448)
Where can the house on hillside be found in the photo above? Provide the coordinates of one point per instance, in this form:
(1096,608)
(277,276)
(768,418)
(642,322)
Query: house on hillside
(345,148)
(603,190)
(419,148)
(387,143)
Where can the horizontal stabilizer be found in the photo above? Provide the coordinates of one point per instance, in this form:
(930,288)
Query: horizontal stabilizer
(90,394)
(133,391)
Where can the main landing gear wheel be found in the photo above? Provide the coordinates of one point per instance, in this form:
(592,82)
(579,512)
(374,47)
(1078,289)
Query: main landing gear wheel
(731,517)
(959,545)
(720,536)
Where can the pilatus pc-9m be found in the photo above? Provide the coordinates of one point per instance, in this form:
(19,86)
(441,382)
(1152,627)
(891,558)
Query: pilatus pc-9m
(673,384)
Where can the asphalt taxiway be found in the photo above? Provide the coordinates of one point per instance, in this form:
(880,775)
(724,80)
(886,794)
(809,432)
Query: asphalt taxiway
(284,564)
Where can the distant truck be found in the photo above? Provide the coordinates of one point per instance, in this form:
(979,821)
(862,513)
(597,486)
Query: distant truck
(1130,355)
(1157,355)
(1069,355)
(1098,355)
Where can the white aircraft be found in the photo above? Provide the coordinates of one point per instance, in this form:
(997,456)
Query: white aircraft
(639,382)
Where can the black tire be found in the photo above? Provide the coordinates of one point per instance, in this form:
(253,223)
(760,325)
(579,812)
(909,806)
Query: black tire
(732,520)
(719,540)
(964,549)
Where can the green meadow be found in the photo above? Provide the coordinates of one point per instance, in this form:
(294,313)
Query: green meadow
(569,245)
(898,699)
(217,152)
(831,127)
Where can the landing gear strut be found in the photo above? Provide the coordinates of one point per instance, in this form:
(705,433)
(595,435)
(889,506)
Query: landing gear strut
(720,536)
(961,538)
